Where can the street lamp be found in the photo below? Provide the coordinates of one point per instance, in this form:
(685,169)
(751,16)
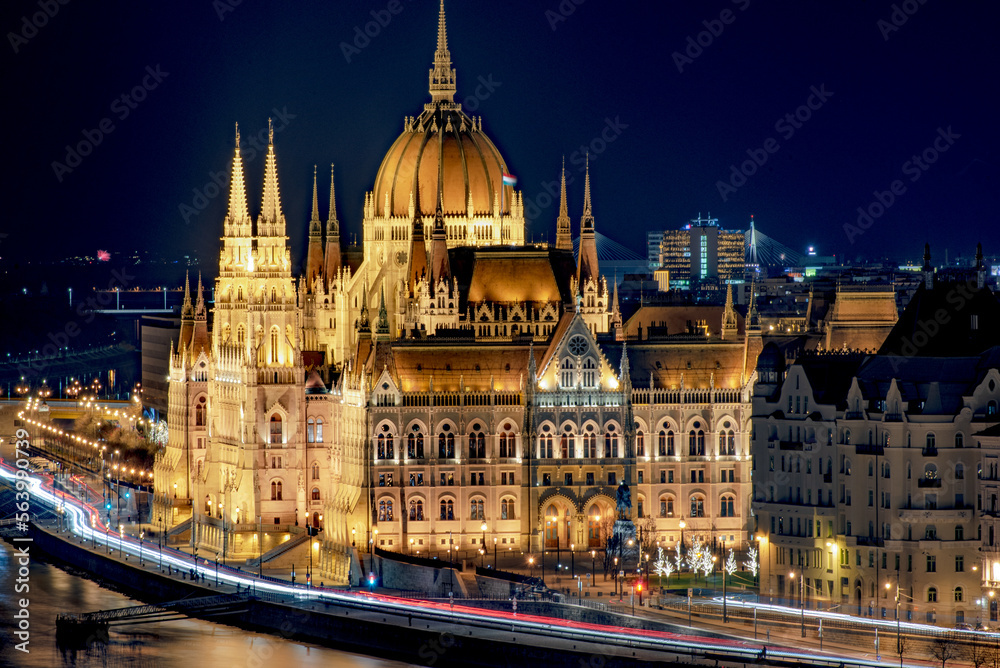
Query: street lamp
(616,575)
(353,535)
(682,525)
(121,539)
(531,566)
(593,565)
(411,546)
(482,545)
(141,534)
(494,553)
(801,606)
(572,556)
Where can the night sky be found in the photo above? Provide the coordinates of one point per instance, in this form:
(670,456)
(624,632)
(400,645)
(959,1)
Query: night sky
(562,74)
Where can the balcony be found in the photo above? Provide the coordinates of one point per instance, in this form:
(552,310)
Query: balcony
(869,449)
(929,482)
(929,452)
(790,445)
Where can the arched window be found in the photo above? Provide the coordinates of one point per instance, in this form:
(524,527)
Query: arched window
(274,295)
(932,594)
(958,595)
(276,432)
(589,373)
(666,506)
(885,469)
(959,440)
(274,345)
(567,373)
(564,446)
(610,443)
(594,527)
(319,430)
(727,506)
(697,506)
(477,443)
(385,510)
(507,443)
(930,441)
(640,443)
(665,443)
(315,494)
(507,509)
(310,430)
(545,445)
(416,510)
(696,443)
(446,443)
(447,509)
(276,490)
(959,472)
(241,335)
(199,413)
(477,509)
(315,470)
(727,442)
(415,444)
(991,408)
(590,442)
(847,437)
(640,507)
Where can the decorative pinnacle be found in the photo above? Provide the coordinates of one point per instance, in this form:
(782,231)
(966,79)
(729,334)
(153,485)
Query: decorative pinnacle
(332,224)
(442,75)
(563,210)
(237,135)
(270,132)
(315,211)
(442,31)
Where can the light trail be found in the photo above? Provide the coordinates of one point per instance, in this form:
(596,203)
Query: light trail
(84,521)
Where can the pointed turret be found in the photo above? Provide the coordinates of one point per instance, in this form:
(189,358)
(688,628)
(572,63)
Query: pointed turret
(314,255)
(587,268)
(625,380)
(753,319)
(270,210)
(616,316)
(199,337)
(440,264)
(363,325)
(332,255)
(442,75)
(729,324)
(418,251)
(564,233)
(187,317)
(238,214)
(382,325)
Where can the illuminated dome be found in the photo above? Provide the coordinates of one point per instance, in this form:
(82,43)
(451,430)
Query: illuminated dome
(443,151)
(442,148)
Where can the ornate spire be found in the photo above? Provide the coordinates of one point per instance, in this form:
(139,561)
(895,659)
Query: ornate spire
(237,188)
(564,233)
(442,75)
(199,308)
(440,264)
(331,264)
(314,252)
(314,219)
(753,320)
(626,376)
(187,310)
(587,221)
(616,314)
(332,224)
(729,325)
(363,324)
(382,325)
(271,207)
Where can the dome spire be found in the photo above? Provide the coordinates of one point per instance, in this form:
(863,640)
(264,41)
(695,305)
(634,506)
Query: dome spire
(442,75)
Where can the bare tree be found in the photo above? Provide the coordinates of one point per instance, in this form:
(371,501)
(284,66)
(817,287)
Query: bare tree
(647,532)
(900,648)
(979,654)
(944,649)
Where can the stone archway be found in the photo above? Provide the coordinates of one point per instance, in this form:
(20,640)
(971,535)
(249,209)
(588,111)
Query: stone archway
(599,517)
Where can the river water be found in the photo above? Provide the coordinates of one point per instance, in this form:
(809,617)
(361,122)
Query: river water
(188,643)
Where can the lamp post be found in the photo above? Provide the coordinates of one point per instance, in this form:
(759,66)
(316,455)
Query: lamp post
(616,575)
(494,553)
(141,534)
(121,540)
(801,606)
(572,556)
(531,566)
(411,546)
(482,545)
(682,525)
(107,541)
(354,533)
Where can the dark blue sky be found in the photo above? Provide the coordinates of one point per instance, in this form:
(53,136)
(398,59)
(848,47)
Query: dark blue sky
(556,87)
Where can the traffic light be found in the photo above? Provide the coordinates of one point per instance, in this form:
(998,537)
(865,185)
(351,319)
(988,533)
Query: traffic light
(639,587)
(126,495)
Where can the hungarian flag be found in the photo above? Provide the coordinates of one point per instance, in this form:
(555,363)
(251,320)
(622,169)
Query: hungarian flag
(103,256)
(509,180)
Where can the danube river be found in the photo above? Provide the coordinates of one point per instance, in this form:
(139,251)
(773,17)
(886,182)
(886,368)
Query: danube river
(187,643)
